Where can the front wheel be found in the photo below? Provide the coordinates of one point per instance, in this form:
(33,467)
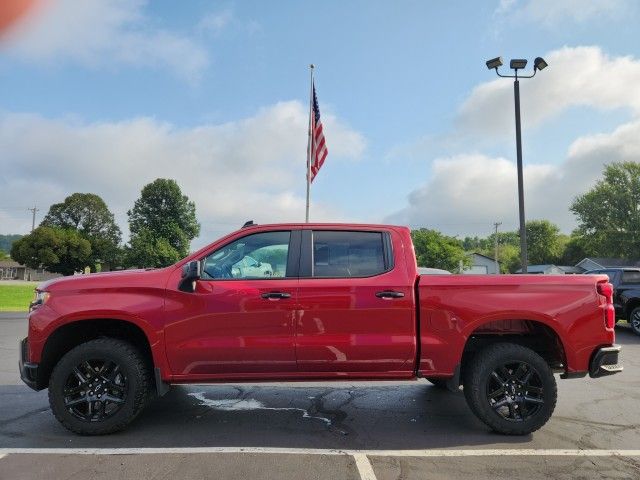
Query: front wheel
(634,320)
(99,387)
(510,388)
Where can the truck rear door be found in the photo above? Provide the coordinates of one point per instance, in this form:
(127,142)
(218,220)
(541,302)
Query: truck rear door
(357,306)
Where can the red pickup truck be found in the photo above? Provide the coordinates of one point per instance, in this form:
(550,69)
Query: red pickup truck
(314,302)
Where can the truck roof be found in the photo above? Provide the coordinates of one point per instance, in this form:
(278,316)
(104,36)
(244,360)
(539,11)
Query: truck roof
(323,224)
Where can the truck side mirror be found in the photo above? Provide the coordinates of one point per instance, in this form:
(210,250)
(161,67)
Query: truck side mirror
(190,274)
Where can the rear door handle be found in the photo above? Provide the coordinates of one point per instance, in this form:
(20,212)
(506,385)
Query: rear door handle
(389,294)
(275,295)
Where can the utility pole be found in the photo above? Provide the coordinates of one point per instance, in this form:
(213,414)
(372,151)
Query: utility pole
(33,211)
(495,241)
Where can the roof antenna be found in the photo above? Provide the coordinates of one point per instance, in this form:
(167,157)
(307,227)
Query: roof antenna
(248,224)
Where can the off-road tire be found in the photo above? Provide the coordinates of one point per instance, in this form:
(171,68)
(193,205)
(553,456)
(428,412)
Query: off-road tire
(476,380)
(634,320)
(138,382)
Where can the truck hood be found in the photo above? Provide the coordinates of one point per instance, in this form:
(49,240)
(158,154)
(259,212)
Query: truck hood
(141,277)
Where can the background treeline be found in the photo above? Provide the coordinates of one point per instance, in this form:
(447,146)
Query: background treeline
(81,232)
(608,218)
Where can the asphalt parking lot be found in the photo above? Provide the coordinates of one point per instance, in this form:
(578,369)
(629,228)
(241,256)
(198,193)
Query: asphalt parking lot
(311,430)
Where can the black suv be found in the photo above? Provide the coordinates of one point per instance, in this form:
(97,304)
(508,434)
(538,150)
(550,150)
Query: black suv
(626,293)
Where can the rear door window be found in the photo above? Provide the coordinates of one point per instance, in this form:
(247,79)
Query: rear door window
(343,254)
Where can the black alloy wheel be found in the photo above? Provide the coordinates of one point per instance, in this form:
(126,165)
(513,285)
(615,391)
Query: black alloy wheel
(95,390)
(510,388)
(515,391)
(100,386)
(634,320)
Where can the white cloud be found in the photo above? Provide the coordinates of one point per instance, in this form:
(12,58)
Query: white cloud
(249,169)
(215,22)
(550,13)
(466,193)
(581,76)
(104,33)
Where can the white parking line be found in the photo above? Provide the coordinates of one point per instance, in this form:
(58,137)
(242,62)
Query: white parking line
(364,467)
(510,452)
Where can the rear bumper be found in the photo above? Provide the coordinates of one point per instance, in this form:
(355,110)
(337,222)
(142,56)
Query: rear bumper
(28,371)
(605,362)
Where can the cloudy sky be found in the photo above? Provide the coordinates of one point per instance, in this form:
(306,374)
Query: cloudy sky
(104,96)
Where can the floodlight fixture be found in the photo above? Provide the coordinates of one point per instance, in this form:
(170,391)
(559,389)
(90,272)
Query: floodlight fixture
(518,63)
(539,64)
(494,63)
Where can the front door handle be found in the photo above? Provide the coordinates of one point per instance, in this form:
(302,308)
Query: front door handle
(275,295)
(389,294)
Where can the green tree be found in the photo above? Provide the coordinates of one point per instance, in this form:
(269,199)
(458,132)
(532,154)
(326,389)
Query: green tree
(544,243)
(149,250)
(609,214)
(475,244)
(4,255)
(7,240)
(161,218)
(574,250)
(435,250)
(509,256)
(508,250)
(58,250)
(89,215)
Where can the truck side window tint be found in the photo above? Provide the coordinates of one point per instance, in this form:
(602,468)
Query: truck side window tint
(261,255)
(344,254)
(630,276)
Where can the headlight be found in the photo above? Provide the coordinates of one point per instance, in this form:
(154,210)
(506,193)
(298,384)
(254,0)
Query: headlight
(40,298)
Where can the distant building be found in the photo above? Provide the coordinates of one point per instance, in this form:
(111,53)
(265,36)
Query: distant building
(591,263)
(481,265)
(585,265)
(10,270)
(548,269)
(569,270)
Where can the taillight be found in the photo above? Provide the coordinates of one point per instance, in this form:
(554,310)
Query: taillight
(606,290)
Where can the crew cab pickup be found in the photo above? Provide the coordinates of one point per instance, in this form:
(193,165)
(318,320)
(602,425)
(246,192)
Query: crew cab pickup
(339,302)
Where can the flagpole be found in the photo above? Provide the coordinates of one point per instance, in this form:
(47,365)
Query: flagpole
(311,67)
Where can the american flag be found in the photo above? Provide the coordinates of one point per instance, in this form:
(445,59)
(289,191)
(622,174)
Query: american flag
(318,149)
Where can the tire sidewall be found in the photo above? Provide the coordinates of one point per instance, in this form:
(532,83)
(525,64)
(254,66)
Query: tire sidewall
(635,330)
(491,359)
(95,351)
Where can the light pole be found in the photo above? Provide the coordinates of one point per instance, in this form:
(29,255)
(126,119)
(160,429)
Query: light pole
(515,65)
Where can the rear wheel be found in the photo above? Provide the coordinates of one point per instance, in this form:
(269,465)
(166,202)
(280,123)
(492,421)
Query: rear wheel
(99,387)
(510,388)
(634,320)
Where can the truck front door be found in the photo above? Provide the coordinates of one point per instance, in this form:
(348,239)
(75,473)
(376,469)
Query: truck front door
(239,320)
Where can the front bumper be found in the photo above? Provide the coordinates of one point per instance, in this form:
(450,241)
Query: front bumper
(28,371)
(605,362)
